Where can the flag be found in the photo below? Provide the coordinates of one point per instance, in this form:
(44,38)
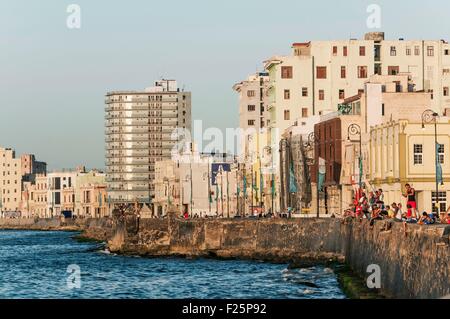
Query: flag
(438,166)
(245,186)
(292,180)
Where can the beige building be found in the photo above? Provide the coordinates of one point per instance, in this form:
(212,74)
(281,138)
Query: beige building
(93,201)
(10,180)
(38,197)
(403,152)
(17,176)
(319,75)
(78,191)
(253,101)
(386,99)
(139,127)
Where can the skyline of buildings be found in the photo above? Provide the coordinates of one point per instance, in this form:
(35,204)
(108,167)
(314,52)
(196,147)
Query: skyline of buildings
(323,88)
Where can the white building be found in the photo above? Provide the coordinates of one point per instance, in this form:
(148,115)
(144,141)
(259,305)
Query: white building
(319,75)
(139,127)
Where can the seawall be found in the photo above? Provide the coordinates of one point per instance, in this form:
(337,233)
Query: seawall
(413,263)
(92,228)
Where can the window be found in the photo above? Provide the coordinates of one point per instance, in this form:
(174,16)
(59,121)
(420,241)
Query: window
(287,115)
(341,94)
(251,122)
(335,49)
(321,72)
(304,92)
(250,93)
(441,151)
(286,72)
(446,90)
(393,51)
(441,199)
(287,94)
(416,50)
(430,50)
(251,108)
(362,72)
(382,109)
(344,51)
(445,71)
(304,112)
(321,95)
(408,50)
(446,52)
(431,91)
(393,70)
(343,72)
(418,154)
(362,51)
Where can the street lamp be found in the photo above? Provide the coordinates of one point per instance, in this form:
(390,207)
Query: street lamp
(313,141)
(429,116)
(355,130)
(268,149)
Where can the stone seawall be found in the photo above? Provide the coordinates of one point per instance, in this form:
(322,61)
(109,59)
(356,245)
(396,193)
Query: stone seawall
(92,228)
(413,264)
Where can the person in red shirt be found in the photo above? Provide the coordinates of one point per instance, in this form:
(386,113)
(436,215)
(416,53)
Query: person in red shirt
(411,198)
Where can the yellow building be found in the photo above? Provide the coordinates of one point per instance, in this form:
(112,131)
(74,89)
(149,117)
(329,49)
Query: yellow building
(404,152)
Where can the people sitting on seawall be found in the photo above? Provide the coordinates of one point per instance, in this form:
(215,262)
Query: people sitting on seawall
(427,219)
(447,218)
(373,208)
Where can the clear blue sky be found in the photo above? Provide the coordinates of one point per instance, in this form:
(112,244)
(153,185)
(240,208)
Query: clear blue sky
(53,79)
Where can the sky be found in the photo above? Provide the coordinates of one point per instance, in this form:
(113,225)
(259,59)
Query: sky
(53,79)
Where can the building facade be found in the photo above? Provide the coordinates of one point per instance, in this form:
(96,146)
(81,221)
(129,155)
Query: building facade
(139,128)
(320,75)
(404,152)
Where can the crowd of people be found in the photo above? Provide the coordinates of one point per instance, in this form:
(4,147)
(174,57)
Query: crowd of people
(373,207)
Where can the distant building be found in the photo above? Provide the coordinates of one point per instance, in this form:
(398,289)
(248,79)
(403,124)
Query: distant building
(193,184)
(139,127)
(16,175)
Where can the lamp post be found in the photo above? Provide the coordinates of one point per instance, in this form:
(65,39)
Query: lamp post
(313,141)
(272,182)
(429,116)
(355,129)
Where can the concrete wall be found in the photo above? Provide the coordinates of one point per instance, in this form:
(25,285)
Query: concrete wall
(414,264)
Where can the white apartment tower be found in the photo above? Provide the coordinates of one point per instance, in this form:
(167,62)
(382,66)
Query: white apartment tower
(139,127)
(319,75)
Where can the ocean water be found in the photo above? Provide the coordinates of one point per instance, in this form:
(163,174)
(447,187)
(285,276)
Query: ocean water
(53,265)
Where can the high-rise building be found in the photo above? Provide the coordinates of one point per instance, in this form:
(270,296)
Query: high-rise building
(139,132)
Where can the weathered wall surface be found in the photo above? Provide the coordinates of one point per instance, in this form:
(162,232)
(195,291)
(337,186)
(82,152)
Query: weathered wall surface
(100,229)
(414,264)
